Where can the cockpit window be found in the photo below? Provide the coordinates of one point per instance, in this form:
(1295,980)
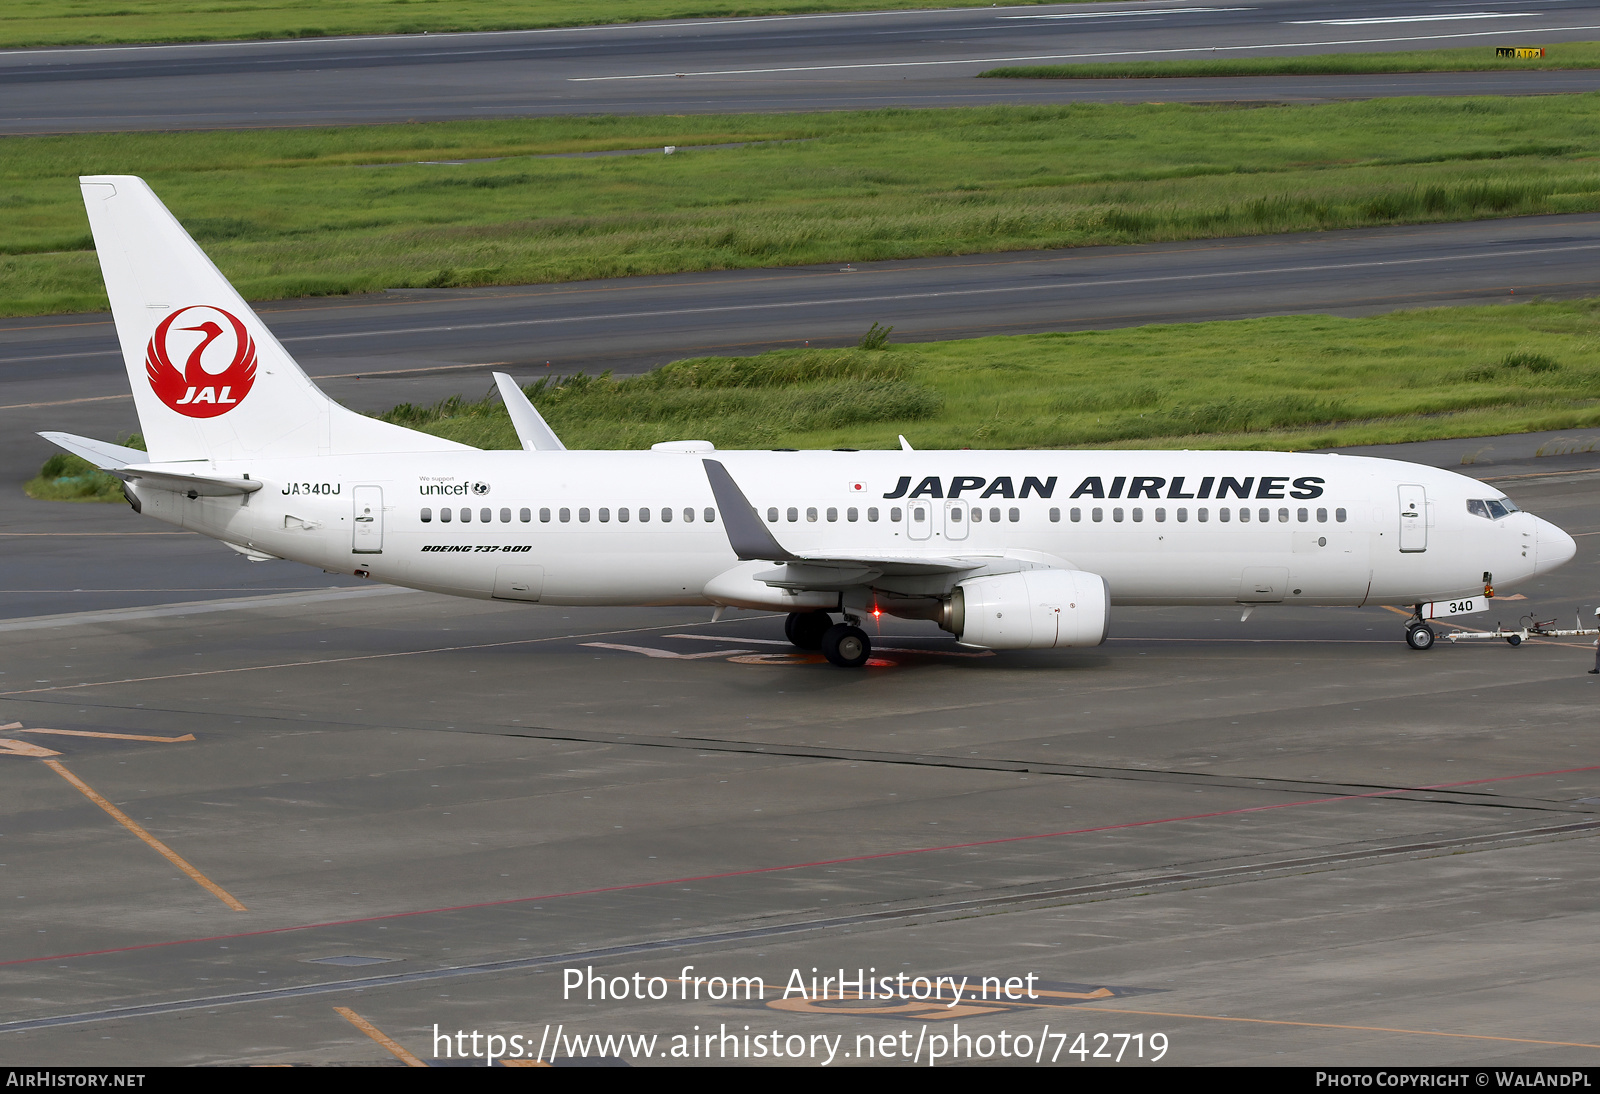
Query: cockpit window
(1492,508)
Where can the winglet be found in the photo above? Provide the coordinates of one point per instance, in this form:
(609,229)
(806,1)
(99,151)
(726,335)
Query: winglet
(532,430)
(905,445)
(747,535)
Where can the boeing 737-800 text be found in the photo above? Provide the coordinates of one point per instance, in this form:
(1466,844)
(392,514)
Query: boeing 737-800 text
(1006,550)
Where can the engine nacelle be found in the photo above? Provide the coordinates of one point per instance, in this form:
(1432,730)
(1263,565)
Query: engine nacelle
(1034,609)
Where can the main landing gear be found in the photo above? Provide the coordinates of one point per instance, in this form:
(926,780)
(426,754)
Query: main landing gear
(1419,636)
(844,644)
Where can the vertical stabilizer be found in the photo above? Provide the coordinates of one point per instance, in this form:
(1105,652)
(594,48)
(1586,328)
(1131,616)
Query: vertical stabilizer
(209,379)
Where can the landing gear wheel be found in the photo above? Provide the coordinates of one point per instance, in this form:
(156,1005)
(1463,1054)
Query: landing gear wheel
(1513,639)
(805,629)
(1419,636)
(846,646)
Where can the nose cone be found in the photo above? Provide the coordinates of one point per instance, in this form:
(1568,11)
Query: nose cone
(1555,547)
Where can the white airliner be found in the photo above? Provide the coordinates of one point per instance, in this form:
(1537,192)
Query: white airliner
(1006,550)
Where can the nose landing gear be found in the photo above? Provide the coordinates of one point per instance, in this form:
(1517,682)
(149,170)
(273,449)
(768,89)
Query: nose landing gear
(1419,636)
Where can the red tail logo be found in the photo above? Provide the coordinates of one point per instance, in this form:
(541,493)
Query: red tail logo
(200,389)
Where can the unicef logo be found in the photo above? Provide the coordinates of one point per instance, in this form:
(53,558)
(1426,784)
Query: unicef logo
(480,488)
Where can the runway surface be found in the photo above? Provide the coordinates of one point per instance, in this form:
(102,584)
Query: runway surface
(1290,840)
(796,63)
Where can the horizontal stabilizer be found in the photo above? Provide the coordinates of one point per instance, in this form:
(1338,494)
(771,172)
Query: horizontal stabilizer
(194,486)
(103,454)
(532,430)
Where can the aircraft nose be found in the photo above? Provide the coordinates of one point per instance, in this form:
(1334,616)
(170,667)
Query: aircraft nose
(1555,547)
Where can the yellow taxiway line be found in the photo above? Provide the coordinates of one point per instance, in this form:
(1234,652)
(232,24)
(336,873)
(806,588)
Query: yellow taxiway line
(379,1036)
(166,852)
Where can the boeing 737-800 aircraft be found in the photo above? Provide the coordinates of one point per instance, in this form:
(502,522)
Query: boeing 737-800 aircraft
(1006,550)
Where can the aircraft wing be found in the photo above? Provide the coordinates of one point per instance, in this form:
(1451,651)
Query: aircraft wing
(752,540)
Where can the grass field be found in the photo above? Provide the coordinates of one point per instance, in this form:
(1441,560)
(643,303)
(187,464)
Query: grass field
(77,22)
(1295,382)
(297,212)
(1474,59)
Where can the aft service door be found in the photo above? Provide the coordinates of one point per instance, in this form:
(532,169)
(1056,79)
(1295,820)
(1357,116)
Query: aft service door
(366,537)
(1413,518)
(955,520)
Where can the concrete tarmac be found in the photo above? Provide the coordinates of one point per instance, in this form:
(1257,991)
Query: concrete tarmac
(794,63)
(1290,840)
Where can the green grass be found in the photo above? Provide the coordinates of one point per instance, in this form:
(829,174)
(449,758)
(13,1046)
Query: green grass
(1295,382)
(65,477)
(78,22)
(290,213)
(1473,59)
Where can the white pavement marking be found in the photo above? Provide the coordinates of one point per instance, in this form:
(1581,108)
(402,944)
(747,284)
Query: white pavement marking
(780,642)
(1074,56)
(193,607)
(1412,18)
(651,652)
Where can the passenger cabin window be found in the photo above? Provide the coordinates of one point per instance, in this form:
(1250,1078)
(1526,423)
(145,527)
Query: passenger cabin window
(793,514)
(994,516)
(1161,516)
(466,516)
(688,516)
(1283,516)
(872,515)
(977,515)
(1076,515)
(833,515)
(605,516)
(526,515)
(644,515)
(583,516)
(852,514)
(811,514)
(622,516)
(1202,515)
(1097,515)
(486,515)
(444,516)
(1338,515)
(1322,516)
(1302,515)
(1224,515)
(894,514)
(772,515)
(566,515)
(505,516)
(666,516)
(711,515)
(427,516)
(544,516)
(1055,516)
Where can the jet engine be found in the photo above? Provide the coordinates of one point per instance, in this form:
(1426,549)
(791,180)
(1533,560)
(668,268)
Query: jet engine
(1033,609)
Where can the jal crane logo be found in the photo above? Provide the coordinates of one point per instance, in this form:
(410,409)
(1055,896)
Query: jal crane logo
(220,366)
